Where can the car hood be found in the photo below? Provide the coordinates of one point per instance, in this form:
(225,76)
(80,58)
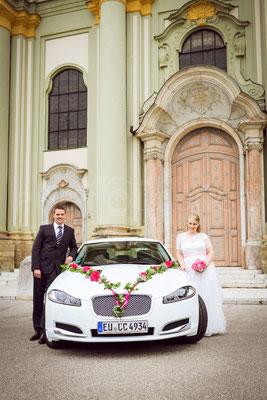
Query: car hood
(81,286)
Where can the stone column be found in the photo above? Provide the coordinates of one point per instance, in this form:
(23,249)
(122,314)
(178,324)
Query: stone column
(111,143)
(154,223)
(6,245)
(254,186)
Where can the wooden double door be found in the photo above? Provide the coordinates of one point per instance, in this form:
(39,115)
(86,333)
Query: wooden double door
(205,180)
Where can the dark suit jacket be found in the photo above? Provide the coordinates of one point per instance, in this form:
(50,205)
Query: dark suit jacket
(46,255)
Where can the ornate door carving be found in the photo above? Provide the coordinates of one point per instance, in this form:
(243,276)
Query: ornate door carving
(74,219)
(205,180)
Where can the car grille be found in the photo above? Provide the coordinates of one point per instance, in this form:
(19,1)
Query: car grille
(138,305)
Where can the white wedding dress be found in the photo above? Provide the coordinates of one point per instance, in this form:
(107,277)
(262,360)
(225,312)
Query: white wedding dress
(194,247)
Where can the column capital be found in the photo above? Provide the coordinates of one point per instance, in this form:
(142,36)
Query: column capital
(153,144)
(142,6)
(18,22)
(253,144)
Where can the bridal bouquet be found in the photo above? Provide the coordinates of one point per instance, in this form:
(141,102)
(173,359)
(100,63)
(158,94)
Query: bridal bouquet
(199,265)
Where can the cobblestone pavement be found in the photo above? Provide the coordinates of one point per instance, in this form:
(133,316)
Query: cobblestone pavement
(230,366)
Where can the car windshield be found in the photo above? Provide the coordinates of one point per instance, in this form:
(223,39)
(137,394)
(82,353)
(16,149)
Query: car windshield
(126,252)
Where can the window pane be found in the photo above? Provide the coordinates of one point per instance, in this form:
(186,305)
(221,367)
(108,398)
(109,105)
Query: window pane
(82,87)
(209,57)
(186,46)
(53,123)
(63,103)
(220,57)
(196,43)
(73,139)
(73,101)
(218,41)
(73,80)
(53,104)
(82,119)
(208,40)
(196,58)
(63,121)
(73,120)
(82,138)
(62,140)
(185,60)
(63,82)
(83,101)
(52,141)
(55,86)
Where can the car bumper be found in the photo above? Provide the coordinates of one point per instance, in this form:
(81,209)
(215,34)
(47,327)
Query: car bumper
(79,324)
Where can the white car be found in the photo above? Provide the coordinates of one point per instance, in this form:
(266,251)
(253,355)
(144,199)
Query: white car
(123,290)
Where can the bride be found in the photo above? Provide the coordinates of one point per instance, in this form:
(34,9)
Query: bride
(191,246)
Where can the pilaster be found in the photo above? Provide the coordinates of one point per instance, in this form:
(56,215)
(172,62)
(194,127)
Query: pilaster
(4,116)
(153,158)
(254,174)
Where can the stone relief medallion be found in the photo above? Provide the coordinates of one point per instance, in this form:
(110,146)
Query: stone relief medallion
(199,100)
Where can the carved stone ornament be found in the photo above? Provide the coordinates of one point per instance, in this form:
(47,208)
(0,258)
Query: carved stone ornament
(201,11)
(253,145)
(196,100)
(63,183)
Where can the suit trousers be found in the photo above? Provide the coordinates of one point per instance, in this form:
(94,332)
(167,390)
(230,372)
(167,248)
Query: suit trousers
(40,286)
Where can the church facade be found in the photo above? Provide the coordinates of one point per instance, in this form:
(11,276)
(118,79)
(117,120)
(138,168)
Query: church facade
(134,114)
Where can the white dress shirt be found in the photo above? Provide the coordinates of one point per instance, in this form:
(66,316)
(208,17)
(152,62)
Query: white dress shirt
(57,230)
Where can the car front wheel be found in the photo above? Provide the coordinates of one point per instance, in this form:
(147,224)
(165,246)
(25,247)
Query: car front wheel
(52,343)
(202,324)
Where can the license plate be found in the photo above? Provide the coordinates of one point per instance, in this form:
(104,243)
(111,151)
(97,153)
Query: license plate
(116,327)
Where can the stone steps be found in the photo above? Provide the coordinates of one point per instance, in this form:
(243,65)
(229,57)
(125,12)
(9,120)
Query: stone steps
(9,278)
(236,277)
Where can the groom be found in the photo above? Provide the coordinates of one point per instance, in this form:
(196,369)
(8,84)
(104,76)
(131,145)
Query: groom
(48,253)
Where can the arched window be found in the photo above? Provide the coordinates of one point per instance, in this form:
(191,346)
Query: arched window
(203,47)
(67,119)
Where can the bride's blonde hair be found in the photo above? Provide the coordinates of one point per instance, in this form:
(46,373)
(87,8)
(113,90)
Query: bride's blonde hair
(196,218)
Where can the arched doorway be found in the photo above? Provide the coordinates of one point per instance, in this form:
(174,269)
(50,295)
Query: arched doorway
(74,219)
(205,180)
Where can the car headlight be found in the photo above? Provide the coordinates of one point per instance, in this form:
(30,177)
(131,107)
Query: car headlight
(182,293)
(58,296)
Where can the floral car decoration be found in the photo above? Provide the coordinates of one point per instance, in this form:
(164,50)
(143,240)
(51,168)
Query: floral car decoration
(120,299)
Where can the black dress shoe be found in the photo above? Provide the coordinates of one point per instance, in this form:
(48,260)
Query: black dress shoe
(36,336)
(42,339)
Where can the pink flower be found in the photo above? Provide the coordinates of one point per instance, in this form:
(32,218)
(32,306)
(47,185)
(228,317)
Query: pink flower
(95,275)
(142,276)
(74,266)
(85,269)
(199,265)
(168,263)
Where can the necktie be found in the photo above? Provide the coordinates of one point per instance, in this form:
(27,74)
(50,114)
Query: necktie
(59,235)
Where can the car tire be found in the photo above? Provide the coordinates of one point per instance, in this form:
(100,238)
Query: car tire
(202,324)
(53,344)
